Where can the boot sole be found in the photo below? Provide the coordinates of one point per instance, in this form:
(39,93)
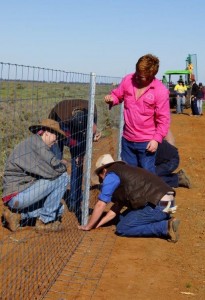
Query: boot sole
(175,226)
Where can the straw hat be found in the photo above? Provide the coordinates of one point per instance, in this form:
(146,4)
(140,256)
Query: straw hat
(104,161)
(49,125)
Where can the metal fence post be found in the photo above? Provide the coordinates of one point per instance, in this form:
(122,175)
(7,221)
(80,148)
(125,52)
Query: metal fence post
(120,131)
(89,144)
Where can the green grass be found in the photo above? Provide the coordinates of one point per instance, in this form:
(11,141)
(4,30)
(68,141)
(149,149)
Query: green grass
(25,103)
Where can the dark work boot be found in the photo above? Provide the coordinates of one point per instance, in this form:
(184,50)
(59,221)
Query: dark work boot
(183,179)
(173,225)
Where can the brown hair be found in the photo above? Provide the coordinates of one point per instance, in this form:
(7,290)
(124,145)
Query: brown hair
(148,65)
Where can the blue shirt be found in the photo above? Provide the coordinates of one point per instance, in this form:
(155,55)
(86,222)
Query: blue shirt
(109,185)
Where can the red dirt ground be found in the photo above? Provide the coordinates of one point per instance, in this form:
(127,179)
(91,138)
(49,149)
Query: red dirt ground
(141,268)
(150,268)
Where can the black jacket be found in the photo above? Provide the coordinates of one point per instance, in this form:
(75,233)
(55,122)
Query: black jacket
(200,93)
(165,153)
(194,89)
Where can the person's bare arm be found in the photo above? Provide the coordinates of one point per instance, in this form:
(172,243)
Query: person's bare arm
(108,217)
(97,213)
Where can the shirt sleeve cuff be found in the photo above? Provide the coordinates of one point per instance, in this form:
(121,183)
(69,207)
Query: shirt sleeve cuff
(158,138)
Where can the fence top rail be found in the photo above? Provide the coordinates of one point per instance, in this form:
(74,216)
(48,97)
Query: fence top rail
(57,70)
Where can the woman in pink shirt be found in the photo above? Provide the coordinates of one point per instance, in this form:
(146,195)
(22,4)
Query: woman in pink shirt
(146,113)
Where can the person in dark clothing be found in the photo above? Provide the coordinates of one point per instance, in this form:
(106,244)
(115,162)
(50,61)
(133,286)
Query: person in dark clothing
(200,97)
(167,161)
(141,192)
(72,116)
(194,92)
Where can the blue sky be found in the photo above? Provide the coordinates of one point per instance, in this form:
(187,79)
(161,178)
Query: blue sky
(102,36)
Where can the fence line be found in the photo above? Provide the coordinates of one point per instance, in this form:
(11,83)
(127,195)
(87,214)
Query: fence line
(27,95)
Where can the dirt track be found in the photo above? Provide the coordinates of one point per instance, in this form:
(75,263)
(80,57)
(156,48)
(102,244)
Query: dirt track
(142,268)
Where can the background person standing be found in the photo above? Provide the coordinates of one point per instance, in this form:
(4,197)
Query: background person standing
(194,92)
(200,97)
(180,90)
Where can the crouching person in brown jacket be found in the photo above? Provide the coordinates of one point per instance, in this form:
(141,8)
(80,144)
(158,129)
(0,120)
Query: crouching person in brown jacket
(144,195)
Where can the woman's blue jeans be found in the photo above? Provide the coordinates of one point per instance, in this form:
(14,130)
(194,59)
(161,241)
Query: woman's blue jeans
(42,199)
(135,154)
(180,103)
(143,222)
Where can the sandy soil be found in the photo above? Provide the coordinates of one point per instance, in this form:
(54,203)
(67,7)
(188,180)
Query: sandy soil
(137,268)
(141,268)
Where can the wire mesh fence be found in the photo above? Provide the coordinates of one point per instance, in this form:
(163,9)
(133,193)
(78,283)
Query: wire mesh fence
(32,261)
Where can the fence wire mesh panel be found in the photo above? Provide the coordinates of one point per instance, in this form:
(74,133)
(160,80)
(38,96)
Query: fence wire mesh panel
(33,261)
(107,117)
(81,275)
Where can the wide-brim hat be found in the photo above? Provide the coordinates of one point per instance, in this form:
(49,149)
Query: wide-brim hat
(49,125)
(104,161)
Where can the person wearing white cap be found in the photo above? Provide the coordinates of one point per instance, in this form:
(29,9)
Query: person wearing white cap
(35,181)
(148,199)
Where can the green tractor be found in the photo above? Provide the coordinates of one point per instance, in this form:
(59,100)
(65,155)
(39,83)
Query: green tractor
(185,76)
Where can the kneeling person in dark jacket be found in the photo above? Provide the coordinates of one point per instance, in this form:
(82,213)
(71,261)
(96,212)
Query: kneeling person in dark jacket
(141,192)
(167,161)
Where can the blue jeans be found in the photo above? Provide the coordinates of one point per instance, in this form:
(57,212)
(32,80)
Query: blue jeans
(194,107)
(180,103)
(143,222)
(135,154)
(165,170)
(42,199)
(75,196)
(200,106)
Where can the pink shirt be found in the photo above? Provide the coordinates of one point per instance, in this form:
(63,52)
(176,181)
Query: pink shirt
(148,117)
